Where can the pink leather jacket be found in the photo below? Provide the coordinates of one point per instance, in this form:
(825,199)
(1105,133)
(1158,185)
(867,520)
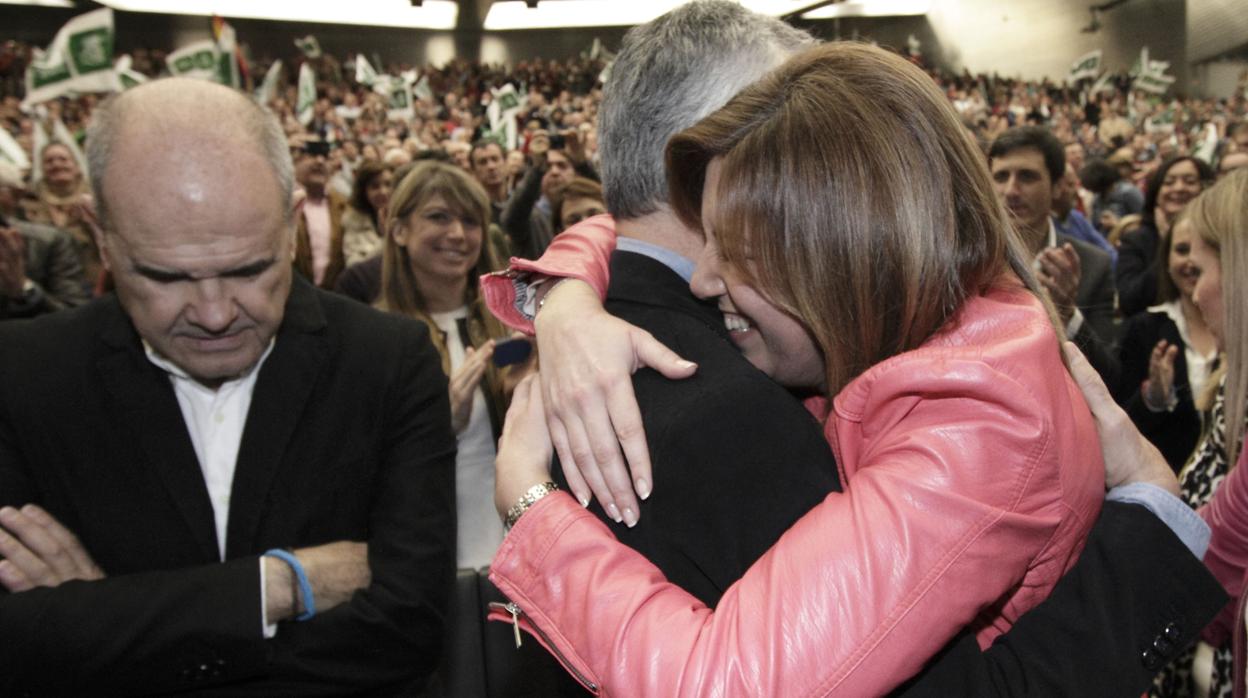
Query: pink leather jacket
(970,484)
(1227,558)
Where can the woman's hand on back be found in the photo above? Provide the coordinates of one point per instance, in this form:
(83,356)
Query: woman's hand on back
(588,358)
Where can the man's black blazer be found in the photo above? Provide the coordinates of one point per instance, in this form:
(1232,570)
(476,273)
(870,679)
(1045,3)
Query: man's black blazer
(1098,335)
(1135,598)
(348,438)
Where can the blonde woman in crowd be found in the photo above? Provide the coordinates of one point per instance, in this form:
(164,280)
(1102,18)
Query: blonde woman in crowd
(434,253)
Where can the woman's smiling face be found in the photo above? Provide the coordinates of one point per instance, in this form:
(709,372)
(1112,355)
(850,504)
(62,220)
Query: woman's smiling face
(772,339)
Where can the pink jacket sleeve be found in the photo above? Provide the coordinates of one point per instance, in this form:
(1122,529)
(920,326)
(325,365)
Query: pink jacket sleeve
(950,507)
(580,252)
(1227,557)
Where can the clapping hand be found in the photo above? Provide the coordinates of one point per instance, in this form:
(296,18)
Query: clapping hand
(464,382)
(1059,273)
(1156,391)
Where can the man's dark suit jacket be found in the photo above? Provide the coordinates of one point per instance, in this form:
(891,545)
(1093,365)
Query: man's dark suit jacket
(1098,335)
(53,267)
(737,460)
(348,438)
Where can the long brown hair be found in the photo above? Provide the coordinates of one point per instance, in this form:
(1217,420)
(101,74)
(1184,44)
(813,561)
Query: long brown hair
(1220,217)
(847,172)
(464,196)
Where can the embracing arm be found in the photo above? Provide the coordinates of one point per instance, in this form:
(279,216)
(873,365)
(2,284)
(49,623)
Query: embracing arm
(598,424)
(798,622)
(581,252)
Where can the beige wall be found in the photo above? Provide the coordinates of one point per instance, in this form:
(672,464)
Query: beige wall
(1032,38)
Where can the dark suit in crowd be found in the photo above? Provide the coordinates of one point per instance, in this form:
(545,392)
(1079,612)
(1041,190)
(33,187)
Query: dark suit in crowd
(1098,335)
(54,270)
(348,437)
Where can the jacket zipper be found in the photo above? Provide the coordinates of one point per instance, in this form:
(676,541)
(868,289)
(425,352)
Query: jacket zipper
(516,613)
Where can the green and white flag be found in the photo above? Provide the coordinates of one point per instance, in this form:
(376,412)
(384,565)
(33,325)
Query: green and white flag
(127,77)
(197,60)
(400,94)
(79,59)
(1153,84)
(1101,84)
(307,94)
(502,113)
(268,88)
(310,46)
(1086,66)
(11,151)
(364,73)
(227,58)
(422,90)
(1150,76)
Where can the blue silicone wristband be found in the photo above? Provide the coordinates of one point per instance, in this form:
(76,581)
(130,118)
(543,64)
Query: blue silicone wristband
(305,589)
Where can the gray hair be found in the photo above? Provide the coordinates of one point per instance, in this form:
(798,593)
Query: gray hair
(187,103)
(669,74)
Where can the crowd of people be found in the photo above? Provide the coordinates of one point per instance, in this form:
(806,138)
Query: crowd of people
(894,249)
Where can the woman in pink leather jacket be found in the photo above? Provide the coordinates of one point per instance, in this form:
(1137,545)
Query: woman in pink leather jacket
(858,251)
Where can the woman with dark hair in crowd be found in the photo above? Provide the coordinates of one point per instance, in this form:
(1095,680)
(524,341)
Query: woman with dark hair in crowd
(1113,195)
(581,199)
(361,223)
(857,249)
(433,257)
(1167,355)
(1176,182)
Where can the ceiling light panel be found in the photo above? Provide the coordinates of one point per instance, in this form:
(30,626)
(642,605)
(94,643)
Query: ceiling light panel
(870,8)
(39,3)
(433,14)
(555,14)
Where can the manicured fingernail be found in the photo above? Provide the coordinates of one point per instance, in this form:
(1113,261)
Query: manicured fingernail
(643,488)
(630,517)
(687,364)
(614,512)
(583,499)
